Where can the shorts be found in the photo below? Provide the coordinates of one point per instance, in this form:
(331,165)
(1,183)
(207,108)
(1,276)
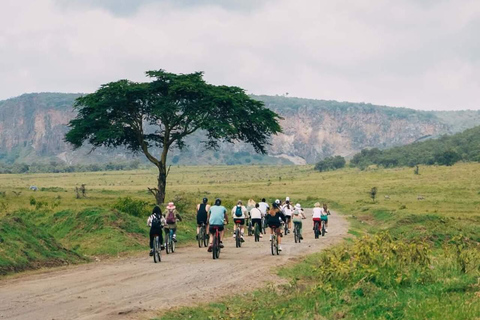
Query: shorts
(213,227)
(199,222)
(288,218)
(324,218)
(239,221)
(316,219)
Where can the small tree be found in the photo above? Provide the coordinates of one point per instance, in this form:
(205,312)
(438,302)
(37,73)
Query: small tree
(163,112)
(373,193)
(416,170)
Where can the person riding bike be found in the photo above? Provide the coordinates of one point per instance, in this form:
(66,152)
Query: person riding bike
(264,207)
(287,210)
(171,217)
(239,213)
(156,223)
(202,213)
(256,216)
(317,213)
(298,215)
(250,205)
(324,215)
(217,215)
(275,217)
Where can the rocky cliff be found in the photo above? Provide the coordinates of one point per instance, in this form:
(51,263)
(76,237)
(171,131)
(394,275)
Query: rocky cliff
(32,128)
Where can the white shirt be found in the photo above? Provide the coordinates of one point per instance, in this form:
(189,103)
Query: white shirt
(317,212)
(287,211)
(244,212)
(263,206)
(255,213)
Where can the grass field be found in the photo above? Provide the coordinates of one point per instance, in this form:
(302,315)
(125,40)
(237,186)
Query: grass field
(433,243)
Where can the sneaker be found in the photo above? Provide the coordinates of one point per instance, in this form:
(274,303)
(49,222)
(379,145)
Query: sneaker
(301,238)
(234,236)
(261,235)
(151,252)
(162,247)
(221,245)
(279,248)
(174,239)
(241,239)
(326,230)
(209,248)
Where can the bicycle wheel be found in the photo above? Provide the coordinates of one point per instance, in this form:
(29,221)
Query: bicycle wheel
(206,238)
(238,243)
(298,234)
(214,247)
(257,233)
(295,234)
(276,245)
(200,237)
(316,230)
(173,246)
(156,250)
(323,228)
(218,247)
(264,226)
(272,244)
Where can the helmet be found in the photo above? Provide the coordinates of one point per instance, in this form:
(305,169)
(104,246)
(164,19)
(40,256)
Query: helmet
(218,201)
(205,200)
(277,201)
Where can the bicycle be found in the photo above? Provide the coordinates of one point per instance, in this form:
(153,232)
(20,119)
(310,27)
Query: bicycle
(286,225)
(157,249)
(264,225)
(257,232)
(274,243)
(316,228)
(323,228)
(296,233)
(238,239)
(216,243)
(203,238)
(250,227)
(170,247)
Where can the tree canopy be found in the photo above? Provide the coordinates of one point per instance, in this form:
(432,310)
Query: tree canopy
(159,114)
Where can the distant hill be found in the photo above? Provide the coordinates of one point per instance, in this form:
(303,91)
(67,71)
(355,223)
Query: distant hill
(446,150)
(32,129)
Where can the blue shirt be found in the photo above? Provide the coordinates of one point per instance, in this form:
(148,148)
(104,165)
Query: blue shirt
(217,214)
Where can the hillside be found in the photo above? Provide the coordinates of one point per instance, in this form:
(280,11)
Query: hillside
(32,128)
(445,150)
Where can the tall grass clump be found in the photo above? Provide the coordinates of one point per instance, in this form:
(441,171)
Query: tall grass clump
(134,207)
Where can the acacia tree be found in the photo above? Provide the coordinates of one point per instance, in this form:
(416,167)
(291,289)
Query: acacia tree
(160,114)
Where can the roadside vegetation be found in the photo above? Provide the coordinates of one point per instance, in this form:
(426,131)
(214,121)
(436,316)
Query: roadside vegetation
(413,251)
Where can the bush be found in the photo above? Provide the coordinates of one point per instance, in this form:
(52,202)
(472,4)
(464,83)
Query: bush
(331,163)
(137,208)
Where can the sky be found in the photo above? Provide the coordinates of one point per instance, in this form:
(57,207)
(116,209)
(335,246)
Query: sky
(420,54)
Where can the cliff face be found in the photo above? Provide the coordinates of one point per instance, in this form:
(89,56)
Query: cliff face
(32,128)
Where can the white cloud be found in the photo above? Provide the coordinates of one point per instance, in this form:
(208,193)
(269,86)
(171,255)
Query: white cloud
(422,55)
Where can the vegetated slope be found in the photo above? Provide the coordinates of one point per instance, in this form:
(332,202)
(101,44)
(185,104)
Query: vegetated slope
(445,150)
(32,129)
(25,246)
(34,239)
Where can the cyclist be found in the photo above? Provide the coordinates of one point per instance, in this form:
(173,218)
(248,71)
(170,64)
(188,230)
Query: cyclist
(275,218)
(171,217)
(256,216)
(239,213)
(250,206)
(217,215)
(156,223)
(317,213)
(324,215)
(264,207)
(298,215)
(202,213)
(287,210)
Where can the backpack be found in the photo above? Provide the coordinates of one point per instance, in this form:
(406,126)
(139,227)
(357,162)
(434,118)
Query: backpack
(238,212)
(171,217)
(156,222)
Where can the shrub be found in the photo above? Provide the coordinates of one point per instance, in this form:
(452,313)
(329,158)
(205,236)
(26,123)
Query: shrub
(134,207)
(330,163)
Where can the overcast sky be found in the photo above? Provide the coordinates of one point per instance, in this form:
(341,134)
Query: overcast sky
(421,54)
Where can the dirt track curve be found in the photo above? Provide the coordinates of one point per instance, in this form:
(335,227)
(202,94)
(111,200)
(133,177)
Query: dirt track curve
(134,287)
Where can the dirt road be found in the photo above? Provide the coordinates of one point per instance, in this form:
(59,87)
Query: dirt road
(133,287)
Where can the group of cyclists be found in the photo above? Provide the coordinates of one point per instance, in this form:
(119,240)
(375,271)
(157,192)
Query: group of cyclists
(216,216)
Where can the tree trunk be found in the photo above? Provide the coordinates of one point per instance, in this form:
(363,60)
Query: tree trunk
(162,183)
